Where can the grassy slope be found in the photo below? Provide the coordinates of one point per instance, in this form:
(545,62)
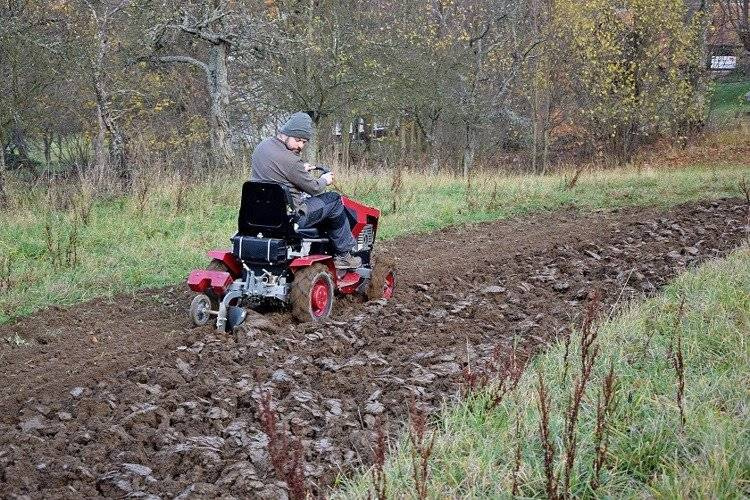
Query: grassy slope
(728,99)
(124,248)
(649,456)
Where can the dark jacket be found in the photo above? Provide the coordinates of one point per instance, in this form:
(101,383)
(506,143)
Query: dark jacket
(273,162)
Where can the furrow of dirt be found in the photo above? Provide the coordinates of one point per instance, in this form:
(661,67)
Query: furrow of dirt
(122,397)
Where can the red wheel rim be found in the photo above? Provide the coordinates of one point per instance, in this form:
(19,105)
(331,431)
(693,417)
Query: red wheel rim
(320,297)
(390,282)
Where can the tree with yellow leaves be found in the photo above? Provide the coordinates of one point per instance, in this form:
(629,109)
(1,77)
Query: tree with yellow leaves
(634,68)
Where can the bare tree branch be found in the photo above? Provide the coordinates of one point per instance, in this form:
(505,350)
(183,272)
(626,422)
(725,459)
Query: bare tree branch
(184,59)
(198,29)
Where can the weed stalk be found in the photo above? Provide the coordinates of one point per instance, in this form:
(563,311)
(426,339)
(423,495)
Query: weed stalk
(142,194)
(180,195)
(566,360)
(493,202)
(603,410)
(422,447)
(548,448)
(61,253)
(5,272)
(745,188)
(589,353)
(495,375)
(679,364)
(378,471)
(570,184)
(286,454)
(397,187)
(84,202)
(471,195)
(517,457)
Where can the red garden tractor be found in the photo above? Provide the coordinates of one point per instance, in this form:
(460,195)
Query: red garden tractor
(274,261)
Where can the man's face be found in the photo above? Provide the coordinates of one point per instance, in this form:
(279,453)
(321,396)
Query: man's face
(295,144)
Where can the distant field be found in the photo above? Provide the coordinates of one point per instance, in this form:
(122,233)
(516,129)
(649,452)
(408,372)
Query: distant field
(728,99)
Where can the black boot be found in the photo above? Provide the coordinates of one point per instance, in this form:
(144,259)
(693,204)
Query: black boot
(347,261)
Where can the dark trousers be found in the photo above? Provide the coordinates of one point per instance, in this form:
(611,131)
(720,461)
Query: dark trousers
(327,212)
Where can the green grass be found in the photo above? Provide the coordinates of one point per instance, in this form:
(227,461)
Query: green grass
(123,244)
(728,99)
(649,455)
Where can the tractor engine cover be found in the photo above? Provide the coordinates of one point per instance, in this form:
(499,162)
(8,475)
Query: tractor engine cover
(249,248)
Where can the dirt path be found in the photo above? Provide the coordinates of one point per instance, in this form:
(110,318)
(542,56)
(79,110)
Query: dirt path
(122,397)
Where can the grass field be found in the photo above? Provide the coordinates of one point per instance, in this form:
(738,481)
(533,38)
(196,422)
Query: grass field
(728,100)
(61,246)
(700,323)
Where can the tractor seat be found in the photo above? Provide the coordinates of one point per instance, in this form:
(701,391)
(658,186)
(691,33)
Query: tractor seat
(310,232)
(265,208)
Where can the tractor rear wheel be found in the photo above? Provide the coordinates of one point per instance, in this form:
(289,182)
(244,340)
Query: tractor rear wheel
(383,278)
(312,293)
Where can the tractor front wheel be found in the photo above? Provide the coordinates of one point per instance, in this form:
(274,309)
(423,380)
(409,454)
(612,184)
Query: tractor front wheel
(312,293)
(200,310)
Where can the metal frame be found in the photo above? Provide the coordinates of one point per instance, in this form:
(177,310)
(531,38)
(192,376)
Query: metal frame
(267,285)
(305,248)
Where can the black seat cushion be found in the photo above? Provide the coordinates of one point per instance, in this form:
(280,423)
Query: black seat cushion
(310,232)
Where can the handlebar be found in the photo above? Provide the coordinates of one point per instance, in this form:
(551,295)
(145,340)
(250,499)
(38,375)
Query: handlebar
(323,168)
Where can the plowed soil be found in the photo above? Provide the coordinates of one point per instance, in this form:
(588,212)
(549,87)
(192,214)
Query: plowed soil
(123,398)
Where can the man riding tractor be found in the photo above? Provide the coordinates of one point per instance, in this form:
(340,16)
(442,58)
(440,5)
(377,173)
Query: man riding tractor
(277,160)
(294,243)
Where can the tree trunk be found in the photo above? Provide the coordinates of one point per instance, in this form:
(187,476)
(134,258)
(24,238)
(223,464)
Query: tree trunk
(346,143)
(337,143)
(745,25)
(402,140)
(434,159)
(413,138)
(312,146)
(313,143)
(698,75)
(100,155)
(47,142)
(545,152)
(431,140)
(535,100)
(469,151)
(106,122)
(744,31)
(118,153)
(536,126)
(3,195)
(218,86)
(367,132)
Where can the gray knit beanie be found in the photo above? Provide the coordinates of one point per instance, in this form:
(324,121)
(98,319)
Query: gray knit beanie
(299,125)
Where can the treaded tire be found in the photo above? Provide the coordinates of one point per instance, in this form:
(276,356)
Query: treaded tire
(312,294)
(383,278)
